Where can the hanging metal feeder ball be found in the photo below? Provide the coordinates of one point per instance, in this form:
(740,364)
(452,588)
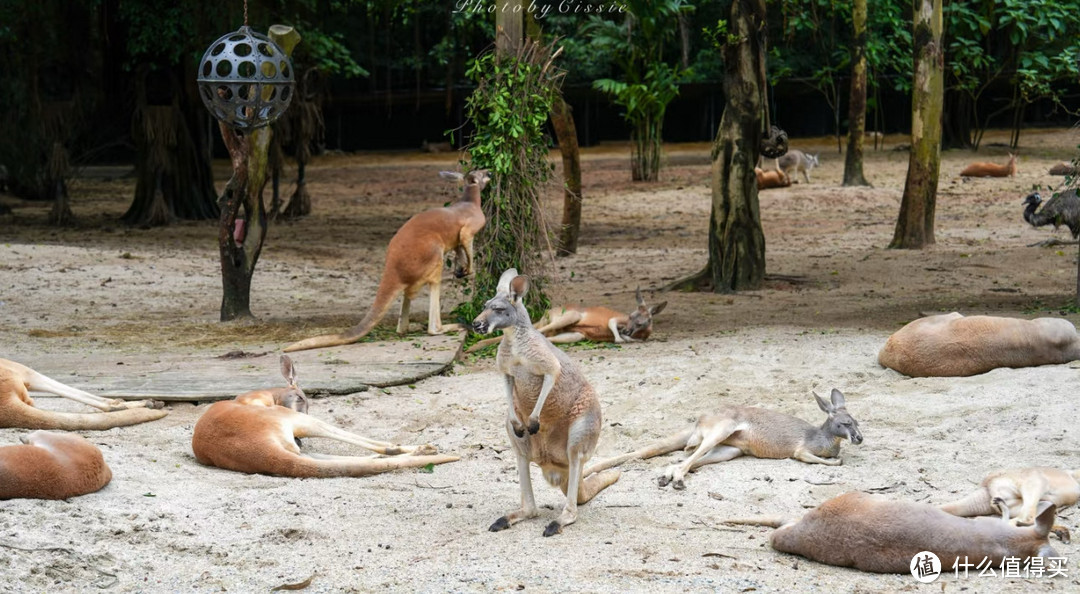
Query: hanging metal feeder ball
(245,79)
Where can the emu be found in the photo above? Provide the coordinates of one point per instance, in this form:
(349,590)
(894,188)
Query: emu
(1062,209)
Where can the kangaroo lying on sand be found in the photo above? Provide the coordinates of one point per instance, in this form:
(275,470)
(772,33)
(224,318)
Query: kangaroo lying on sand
(554,415)
(983,169)
(872,533)
(951,345)
(414,259)
(771,179)
(17,409)
(574,323)
(745,430)
(257,432)
(1015,493)
(51,466)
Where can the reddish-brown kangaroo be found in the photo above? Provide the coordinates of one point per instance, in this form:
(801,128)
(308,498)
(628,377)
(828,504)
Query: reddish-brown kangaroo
(51,466)
(17,408)
(414,259)
(257,432)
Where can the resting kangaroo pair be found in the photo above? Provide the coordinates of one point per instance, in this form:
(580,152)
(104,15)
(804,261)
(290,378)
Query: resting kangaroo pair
(954,345)
(1015,493)
(745,430)
(872,533)
(553,414)
(17,408)
(258,432)
(414,259)
(574,323)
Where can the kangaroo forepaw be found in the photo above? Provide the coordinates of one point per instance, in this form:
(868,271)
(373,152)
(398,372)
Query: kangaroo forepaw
(519,429)
(664,480)
(678,485)
(1062,533)
(552,529)
(500,525)
(460,273)
(534,426)
(154,404)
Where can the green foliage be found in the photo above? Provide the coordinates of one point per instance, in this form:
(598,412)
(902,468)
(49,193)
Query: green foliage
(509,110)
(649,84)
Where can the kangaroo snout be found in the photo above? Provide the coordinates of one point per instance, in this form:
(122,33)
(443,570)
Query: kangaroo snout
(481,326)
(855,436)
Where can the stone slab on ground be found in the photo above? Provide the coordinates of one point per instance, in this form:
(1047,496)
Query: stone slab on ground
(219,376)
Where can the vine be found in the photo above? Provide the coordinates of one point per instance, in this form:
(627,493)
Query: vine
(509,111)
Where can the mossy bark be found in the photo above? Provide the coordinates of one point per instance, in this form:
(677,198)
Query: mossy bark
(853,162)
(241,235)
(736,240)
(562,120)
(915,225)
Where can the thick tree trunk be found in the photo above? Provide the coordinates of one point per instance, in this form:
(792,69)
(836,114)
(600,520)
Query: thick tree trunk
(915,225)
(736,239)
(509,27)
(300,202)
(566,133)
(853,162)
(172,166)
(241,236)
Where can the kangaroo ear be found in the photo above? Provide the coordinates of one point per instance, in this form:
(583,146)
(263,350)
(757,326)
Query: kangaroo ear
(837,398)
(640,299)
(518,287)
(504,281)
(825,406)
(288,370)
(451,175)
(1044,518)
(659,307)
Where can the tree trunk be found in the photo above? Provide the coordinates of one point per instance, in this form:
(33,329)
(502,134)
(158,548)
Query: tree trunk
(562,120)
(853,162)
(915,225)
(240,238)
(509,27)
(57,172)
(736,239)
(300,202)
(174,179)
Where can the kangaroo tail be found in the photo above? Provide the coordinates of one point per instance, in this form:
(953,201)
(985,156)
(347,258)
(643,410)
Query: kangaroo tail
(386,294)
(976,503)
(483,343)
(24,416)
(770,521)
(357,467)
(666,445)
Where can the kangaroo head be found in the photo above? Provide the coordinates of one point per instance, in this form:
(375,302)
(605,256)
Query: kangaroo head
(811,161)
(640,324)
(840,423)
(503,310)
(294,397)
(479,177)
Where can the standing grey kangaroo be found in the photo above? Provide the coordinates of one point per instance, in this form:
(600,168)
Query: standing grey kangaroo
(415,259)
(872,533)
(796,160)
(554,415)
(762,433)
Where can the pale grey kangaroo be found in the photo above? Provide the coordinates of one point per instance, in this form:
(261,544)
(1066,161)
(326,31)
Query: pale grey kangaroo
(872,533)
(554,415)
(759,432)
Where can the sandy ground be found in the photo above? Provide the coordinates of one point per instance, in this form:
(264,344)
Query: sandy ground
(165,523)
